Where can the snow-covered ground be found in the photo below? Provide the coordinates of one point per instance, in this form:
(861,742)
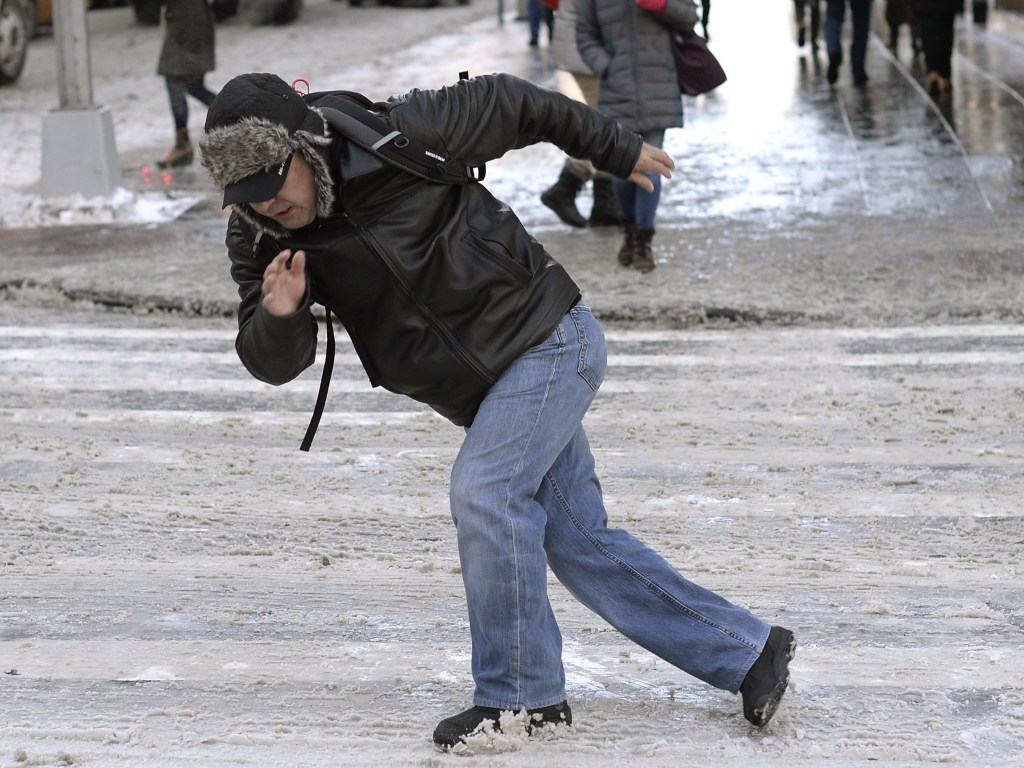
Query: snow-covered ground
(180,587)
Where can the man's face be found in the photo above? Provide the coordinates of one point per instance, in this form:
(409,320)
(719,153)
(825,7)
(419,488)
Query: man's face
(294,205)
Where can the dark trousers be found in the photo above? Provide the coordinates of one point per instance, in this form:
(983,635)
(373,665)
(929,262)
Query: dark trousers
(536,14)
(800,9)
(177,87)
(860,11)
(936,31)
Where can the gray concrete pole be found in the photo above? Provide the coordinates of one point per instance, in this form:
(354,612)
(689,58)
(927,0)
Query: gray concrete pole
(74,72)
(79,154)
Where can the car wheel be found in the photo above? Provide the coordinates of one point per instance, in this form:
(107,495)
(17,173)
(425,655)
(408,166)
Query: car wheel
(147,12)
(13,40)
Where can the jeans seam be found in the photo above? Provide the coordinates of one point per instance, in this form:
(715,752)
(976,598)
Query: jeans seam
(682,607)
(508,498)
(581,364)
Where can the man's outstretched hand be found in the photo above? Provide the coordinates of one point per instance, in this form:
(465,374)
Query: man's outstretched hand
(284,283)
(651,160)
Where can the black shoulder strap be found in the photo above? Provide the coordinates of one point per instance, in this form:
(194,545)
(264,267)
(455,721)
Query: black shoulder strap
(372,132)
(325,383)
(351,115)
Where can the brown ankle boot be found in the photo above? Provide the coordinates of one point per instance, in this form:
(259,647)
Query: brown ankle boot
(628,249)
(180,154)
(643,260)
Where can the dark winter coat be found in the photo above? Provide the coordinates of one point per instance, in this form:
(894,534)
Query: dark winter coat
(188,48)
(439,286)
(630,50)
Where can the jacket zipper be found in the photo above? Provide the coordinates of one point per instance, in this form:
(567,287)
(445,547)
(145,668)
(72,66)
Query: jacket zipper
(437,325)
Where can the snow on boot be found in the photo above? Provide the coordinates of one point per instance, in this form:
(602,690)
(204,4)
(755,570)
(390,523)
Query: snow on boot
(605,212)
(561,198)
(642,258)
(180,154)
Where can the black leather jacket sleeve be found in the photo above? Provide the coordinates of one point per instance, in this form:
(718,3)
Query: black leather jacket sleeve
(481,119)
(273,349)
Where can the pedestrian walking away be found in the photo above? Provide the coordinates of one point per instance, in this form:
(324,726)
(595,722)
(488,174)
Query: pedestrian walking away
(628,46)
(835,14)
(898,13)
(805,11)
(448,300)
(186,55)
(539,14)
(936,22)
(576,172)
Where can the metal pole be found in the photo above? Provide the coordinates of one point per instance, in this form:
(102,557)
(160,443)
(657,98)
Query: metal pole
(74,73)
(79,152)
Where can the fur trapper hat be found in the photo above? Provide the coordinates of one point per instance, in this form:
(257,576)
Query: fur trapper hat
(256,123)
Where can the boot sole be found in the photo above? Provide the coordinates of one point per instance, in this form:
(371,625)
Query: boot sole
(767,710)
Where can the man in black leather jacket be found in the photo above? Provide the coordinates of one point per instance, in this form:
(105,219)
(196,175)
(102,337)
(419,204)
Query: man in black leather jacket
(447,299)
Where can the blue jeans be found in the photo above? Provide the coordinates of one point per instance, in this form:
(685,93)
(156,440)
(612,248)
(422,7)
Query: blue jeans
(525,496)
(638,205)
(536,14)
(860,10)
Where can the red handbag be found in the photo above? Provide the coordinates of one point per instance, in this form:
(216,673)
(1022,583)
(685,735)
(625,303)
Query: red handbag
(696,66)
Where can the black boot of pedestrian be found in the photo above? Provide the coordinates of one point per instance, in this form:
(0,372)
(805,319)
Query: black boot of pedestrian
(605,212)
(766,681)
(561,198)
(643,258)
(835,58)
(628,249)
(454,730)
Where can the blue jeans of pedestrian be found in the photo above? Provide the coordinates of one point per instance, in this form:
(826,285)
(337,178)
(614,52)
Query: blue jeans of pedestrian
(536,14)
(638,205)
(860,11)
(525,496)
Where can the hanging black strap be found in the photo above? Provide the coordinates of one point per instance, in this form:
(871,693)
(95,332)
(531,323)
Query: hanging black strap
(325,383)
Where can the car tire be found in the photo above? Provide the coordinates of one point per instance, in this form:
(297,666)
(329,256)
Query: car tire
(147,12)
(13,40)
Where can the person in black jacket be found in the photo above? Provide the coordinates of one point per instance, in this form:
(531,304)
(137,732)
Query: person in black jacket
(448,300)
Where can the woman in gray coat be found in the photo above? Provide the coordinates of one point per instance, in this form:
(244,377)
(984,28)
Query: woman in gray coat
(627,44)
(185,58)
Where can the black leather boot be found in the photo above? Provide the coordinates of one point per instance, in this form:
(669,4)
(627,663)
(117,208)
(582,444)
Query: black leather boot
(454,730)
(628,249)
(605,212)
(561,198)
